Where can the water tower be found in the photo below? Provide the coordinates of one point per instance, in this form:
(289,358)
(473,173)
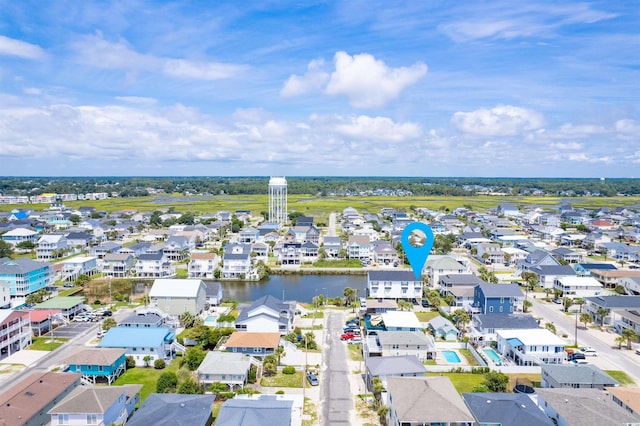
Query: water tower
(278,200)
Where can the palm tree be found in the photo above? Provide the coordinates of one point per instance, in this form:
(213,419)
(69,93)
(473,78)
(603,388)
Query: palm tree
(602,313)
(620,340)
(349,295)
(585,318)
(630,335)
(279,353)
(547,292)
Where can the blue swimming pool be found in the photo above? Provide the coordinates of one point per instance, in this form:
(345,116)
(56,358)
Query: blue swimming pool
(492,355)
(211,320)
(451,356)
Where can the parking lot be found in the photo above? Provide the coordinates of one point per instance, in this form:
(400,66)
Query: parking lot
(73,329)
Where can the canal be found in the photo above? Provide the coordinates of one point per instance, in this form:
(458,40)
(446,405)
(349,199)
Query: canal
(301,288)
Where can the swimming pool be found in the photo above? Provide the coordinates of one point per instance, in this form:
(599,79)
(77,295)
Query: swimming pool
(493,355)
(211,320)
(451,356)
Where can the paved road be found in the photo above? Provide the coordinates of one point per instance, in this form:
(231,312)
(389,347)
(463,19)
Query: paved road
(332,224)
(566,324)
(336,400)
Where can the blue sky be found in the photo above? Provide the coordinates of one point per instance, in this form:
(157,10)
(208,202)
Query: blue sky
(434,88)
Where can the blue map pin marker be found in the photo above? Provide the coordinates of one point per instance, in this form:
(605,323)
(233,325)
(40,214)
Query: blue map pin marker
(417,255)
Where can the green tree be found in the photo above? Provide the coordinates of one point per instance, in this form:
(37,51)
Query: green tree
(155,219)
(147,360)
(585,318)
(630,335)
(349,295)
(279,353)
(6,249)
(620,289)
(187,319)
(551,327)
(620,340)
(526,305)
(190,386)
(75,219)
(602,314)
(496,381)
(308,341)
(83,279)
(403,305)
(26,245)
(187,219)
(461,317)
(167,382)
(109,323)
(193,357)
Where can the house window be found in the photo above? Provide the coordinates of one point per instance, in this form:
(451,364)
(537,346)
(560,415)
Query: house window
(502,300)
(63,419)
(500,308)
(490,308)
(99,368)
(92,419)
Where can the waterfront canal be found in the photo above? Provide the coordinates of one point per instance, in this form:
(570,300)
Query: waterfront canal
(301,288)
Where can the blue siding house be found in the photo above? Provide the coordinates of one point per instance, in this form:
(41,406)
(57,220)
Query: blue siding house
(98,363)
(140,342)
(496,298)
(25,276)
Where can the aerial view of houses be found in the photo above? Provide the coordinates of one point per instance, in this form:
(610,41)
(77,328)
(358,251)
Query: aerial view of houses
(526,315)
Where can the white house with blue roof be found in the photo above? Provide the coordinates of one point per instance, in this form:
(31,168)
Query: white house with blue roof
(139,342)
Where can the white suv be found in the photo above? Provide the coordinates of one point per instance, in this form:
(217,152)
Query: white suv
(589,351)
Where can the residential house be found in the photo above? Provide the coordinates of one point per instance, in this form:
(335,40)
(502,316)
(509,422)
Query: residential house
(309,252)
(135,249)
(497,298)
(79,240)
(443,328)
(214,292)
(505,409)
(531,346)
(231,369)
(567,255)
(576,376)
(96,405)
(51,246)
(42,320)
(261,409)
(141,342)
(536,258)
(78,265)
(236,261)
(118,265)
(177,247)
(359,247)
(18,235)
(261,251)
(28,401)
(332,246)
(425,401)
(177,296)
(384,253)
(392,366)
(631,285)
(582,407)
(489,253)
(203,265)
(415,343)
(626,397)
(257,344)
(584,269)
(578,286)
(461,287)
(378,306)
(68,306)
(513,255)
(548,274)
(143,318)
(97,364)
(248,235)
(395,284)
(267,314)
(5,295)
(437,266)
(174,409)
(154,265)
(620,311)
(25,276)
(290,253)
(508,210)
(483,328)
(401,321)
(611,278)
(102,249)
(15,331)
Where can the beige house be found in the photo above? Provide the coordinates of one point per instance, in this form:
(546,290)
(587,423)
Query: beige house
(176,296)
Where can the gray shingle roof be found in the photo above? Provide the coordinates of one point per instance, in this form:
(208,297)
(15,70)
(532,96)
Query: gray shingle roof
(263,412)
(507,322)
(395,365)
(612,302)
(173,409)
(500,290)
(587,374)
(507,409)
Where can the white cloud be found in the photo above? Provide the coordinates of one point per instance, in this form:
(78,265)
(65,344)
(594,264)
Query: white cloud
(627,129)
(95,51)
(312,81)
(370,83)
(139,100)
(377,128)
(502,120)
(21,49)
(32,91)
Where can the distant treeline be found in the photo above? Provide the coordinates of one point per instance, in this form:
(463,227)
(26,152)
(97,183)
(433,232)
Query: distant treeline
(324,186)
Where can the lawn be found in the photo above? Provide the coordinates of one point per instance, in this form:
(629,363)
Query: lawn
(45,344)
(467,355)
(281,380)
(622,377)
(355,352)
(427,316)
(465,382)
(147,377)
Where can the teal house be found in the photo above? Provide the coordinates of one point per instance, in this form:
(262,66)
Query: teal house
(97,364)
(25,276)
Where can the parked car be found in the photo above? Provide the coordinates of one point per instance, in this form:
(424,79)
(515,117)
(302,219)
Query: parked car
(576,356)
(424,303)
(557,301)
(589,351)
(349,335)
(312,379)
(356,340)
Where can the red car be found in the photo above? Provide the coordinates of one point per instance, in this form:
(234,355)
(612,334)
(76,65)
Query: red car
(349,335)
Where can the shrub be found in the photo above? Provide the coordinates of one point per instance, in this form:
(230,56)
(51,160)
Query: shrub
(130,362)
(167,382)
(289,369)
(97,302)
(280,392)
(159,364)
